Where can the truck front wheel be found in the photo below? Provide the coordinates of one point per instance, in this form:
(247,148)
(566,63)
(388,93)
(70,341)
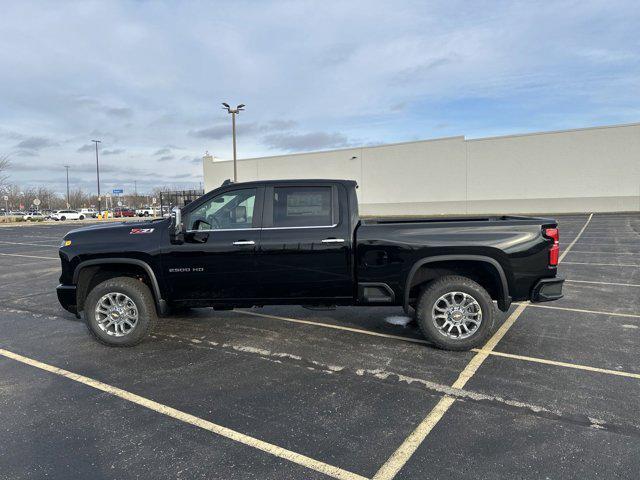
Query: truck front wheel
(120,311)
(455,313)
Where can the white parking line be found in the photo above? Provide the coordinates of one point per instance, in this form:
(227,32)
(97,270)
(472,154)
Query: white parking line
(28,256)
(564,254)
(256,443)
(604,264)
(30,244)
(604,283)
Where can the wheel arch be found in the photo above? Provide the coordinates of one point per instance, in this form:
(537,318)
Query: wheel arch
(503,298)
(87,270)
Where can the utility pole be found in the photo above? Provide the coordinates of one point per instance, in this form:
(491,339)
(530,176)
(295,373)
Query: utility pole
(234,112)
(135,192)
(97,172)
(67,168)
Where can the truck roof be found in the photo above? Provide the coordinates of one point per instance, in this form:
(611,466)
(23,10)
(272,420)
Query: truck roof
(297,181)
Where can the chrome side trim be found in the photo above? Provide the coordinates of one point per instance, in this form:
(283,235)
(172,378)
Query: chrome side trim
(265,228)
(224,230)
(296,228)
(333,240)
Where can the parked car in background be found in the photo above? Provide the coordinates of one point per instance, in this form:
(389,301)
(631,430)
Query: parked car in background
(124,212)
(88,212)
(148,212)
(33,216)
(67,215)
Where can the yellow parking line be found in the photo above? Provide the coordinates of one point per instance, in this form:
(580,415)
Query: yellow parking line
(560,364)
(606,253)
(269,448)
(581,310)
(335,327)
(400,457)
(604,264)
(28,256)
(402,454)
(475,362)
(604,283)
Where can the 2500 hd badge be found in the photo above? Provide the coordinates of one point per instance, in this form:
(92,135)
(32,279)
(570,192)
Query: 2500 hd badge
(186,270)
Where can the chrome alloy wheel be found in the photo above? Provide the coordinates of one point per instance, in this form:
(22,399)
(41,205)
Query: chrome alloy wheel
(457,315)
(116,314)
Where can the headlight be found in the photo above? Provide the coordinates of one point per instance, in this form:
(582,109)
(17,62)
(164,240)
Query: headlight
(65,243)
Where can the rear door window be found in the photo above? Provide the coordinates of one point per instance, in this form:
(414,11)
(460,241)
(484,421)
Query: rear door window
(302,207)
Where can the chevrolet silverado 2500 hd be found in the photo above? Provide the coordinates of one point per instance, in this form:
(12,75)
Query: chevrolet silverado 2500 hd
(302,242)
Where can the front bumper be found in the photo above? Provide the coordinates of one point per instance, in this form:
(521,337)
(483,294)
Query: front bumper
(67,297)
(547,289)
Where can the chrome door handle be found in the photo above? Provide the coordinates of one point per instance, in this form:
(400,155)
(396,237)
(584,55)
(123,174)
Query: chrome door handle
(333,240)
(244,242)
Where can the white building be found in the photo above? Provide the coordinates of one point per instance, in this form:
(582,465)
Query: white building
(582,170)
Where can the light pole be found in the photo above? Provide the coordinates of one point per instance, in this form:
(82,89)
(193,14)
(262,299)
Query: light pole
(67,168)
(234,112)
(97,172)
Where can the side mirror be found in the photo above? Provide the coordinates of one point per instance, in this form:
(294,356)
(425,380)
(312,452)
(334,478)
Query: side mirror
(178,228)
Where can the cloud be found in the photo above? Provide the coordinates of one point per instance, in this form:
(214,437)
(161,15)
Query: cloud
(26,153)
(215,132)
(88,147)
(306,141)
(196,160)
(166,158)
(116,151)
(35,143)
(119,112)
(163,151)
(305,73)
(224,130)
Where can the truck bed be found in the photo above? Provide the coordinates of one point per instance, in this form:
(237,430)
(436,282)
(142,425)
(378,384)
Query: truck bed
(449,219)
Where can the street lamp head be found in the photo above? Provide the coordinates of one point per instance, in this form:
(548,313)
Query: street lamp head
(240,107)
(226,105)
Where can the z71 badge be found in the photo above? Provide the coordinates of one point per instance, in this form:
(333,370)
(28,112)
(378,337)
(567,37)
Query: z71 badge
(139,231)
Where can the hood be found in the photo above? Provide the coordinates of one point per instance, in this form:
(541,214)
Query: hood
(120,235)
(115,226)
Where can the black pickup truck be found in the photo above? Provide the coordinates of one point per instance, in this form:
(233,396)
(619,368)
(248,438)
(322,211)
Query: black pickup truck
(302,242)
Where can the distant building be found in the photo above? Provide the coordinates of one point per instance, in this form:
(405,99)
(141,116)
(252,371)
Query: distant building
(582,170)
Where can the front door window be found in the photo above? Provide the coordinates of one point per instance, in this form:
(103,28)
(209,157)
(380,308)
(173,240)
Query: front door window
(228,211)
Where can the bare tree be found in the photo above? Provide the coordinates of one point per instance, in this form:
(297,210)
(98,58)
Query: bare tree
(4,166)
(78,198)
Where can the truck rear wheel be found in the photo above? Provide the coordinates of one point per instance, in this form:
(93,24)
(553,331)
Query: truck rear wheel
(120,311)
(455,313)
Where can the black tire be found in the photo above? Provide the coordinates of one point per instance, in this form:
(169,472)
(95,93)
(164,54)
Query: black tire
(63,218)
(81,217)
(146,214)
(447,285)
(142,298)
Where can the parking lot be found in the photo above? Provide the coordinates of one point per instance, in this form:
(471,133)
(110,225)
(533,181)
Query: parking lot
(350,393)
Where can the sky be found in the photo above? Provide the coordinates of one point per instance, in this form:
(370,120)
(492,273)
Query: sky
(147,78)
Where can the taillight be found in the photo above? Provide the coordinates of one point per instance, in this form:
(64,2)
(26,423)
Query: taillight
(554,252)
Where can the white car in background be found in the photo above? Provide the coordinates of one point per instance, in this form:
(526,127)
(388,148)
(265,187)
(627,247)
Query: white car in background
(88,212)
(148,212)
(33,216)
(67,215)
